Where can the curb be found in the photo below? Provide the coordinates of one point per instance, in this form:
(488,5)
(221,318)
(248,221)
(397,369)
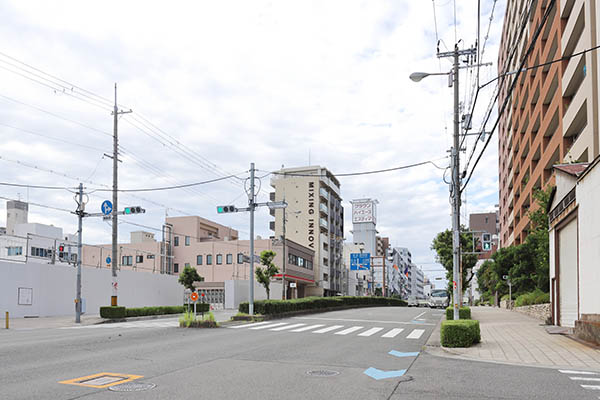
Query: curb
(130,319)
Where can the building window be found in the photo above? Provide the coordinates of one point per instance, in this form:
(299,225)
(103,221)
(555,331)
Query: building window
(187,240)
(15,251)
(176,241)
(219,259)
(150,256)
(139,259)
(300,262)
(229,259)
(127,260)
(309,265)
(187,264)
(176,268)
(240,258)
(209,259)
(198,260)
(486,220)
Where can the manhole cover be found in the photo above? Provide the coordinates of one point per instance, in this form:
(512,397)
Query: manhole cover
(322,372)
(132,387)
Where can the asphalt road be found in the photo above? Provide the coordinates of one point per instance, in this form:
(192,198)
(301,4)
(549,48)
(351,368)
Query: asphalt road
(376,353)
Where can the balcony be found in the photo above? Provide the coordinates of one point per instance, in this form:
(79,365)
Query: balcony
(323,223)
(323,209)
(323,193)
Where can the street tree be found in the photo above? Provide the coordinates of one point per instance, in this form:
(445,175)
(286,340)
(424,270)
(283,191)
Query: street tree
(442,244)
(265,274)
(188,276)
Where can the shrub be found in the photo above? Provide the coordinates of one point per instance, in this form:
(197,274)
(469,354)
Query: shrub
(267,307)
(461,333)
(542,298)
(113,312)
(463,313)
(143,311)
(187,320)
(535,297)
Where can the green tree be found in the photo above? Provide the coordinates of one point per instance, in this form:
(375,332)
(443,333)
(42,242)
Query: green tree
(188,276)
(538,239)
(442,244)
(266,273)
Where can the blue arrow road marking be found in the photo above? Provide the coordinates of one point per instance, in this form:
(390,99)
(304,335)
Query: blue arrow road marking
(414,321)
(400,354)
(378,374)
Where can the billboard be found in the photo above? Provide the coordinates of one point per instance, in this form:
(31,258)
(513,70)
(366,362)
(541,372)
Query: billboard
(364,211)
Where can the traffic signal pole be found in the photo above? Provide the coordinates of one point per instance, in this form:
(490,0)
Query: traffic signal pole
(80,211)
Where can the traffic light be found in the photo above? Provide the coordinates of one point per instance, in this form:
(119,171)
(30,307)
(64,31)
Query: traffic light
(134,210)
(487,242)
(226,209)
(61,248)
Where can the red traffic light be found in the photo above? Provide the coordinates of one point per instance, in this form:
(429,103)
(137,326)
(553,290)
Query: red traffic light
(61,248)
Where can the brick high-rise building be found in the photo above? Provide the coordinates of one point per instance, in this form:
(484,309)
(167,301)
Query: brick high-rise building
(552,114)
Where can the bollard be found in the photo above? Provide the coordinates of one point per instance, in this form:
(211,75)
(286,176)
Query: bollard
(7,320)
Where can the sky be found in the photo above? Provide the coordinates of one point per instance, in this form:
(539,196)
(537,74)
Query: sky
(214,86)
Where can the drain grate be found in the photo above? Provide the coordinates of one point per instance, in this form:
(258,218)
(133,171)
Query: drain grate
(132,387)
(322,372)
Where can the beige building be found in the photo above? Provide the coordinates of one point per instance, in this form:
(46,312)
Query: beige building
(213,249)
(314,219)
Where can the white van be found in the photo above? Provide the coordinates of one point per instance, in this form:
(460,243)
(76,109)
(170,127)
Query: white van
(439,298)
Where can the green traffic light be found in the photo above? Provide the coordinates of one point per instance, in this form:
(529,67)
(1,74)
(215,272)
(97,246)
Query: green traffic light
(127,210)
(220,210)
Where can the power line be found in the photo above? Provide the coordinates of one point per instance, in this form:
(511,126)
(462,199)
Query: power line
(37,186)
(513,84)
(39,205)
(167,187)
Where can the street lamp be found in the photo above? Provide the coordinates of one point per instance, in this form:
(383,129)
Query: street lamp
(417,76)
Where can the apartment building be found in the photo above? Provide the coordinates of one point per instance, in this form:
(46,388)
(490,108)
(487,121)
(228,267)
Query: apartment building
(314,219)
(552,114)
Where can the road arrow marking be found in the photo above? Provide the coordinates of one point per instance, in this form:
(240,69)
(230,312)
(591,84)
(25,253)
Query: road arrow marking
(378,374)
(400,354)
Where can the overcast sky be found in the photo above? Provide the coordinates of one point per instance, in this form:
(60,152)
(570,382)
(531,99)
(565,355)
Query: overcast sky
(226,83)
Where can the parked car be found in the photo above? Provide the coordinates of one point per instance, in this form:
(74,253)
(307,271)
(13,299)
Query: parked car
(439,299)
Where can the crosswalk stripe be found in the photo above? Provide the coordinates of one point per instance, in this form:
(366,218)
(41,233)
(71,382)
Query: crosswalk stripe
(307,328)
(581,378)
(567,371)
(329,329)
(249,325)
(349,330)
(283,328)
(269,326)
(393,333)
(591,387)
(415,334)
(370,332)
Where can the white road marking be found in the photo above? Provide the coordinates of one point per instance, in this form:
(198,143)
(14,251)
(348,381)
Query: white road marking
(269,326)
(591,387)
(283,328)
(420,315)
(348,330)
(415,334)
(249,325)
(364,320)
(307,328)
(567,371)
(393,333)
(370,332)
(329,329)
(581,378)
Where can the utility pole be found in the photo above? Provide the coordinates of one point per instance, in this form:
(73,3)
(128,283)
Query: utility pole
(80,211)
(115,222)
(455,186)
(283,285)
(252,205)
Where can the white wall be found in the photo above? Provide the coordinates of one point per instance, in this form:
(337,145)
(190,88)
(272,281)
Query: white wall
(588,198)
(236,292)
(54,289)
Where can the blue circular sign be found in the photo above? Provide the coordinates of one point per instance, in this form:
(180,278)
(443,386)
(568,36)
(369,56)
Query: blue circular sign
(106,207)
(108,260)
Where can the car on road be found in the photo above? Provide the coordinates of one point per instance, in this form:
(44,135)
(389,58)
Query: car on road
(412,301)
(439,298)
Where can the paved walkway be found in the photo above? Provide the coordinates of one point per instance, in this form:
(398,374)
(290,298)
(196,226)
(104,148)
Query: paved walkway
(69,321)
(514,338)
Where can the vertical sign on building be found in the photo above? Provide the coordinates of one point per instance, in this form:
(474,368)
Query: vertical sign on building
(363,211)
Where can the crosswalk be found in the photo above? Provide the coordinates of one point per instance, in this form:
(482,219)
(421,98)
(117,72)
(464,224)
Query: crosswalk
(160,323)
(340,330)
(586,379)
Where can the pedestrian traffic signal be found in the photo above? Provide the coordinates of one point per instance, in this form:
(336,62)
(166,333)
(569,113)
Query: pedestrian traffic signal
(226,209)
(487,242)
(134,210)
(61,248)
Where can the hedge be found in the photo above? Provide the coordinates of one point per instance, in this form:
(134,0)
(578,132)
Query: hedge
(463,313)
(460,333)
(267,307)
(535,297)
(122,312)
(113,312)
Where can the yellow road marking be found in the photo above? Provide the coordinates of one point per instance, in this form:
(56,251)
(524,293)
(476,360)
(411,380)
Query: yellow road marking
(101,380)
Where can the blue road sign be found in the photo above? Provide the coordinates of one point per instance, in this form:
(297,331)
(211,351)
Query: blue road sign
(106,207)
(108,260)
(360,261)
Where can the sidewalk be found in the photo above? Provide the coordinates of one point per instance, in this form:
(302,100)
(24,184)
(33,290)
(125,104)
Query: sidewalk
(513,338)
(69,321)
